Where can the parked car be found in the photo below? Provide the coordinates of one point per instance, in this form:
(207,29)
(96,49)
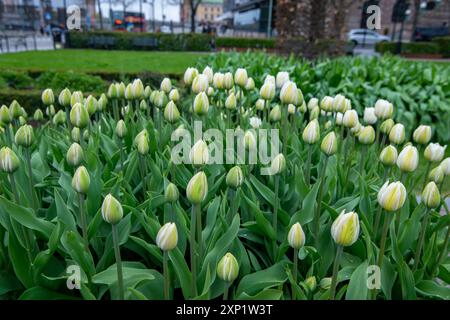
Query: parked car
(426,34)
(358,36)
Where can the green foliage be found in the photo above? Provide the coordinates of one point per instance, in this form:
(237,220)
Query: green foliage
(444,45)
(410,48)
(71,80)
(15,79)
(231,42)
(125,41)
(420,92)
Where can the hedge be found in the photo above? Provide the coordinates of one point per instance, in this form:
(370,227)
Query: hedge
(124,41)
(229,42)
(409,48)
(444,45)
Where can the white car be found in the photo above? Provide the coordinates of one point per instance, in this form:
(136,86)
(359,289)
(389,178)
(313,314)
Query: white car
(359,36)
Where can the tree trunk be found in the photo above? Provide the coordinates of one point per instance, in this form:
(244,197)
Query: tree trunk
(415,17)
(193,11)
(317,20)
(100,14)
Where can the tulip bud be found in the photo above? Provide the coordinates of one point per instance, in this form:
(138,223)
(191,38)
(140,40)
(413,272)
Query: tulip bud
(59,118)
(366,135)
(147,92)
(445,164)
(267,91)
(228,268)
(296,236)
(383,109)
(436,175)
(386,126)
(64,97)
(76,134)
(369,116)
(350,119)
(392,196)
(329,144)
(260,104)
(235,177)
(302,108)
(112,211)
(345,229)
(339,118)
(249,140)
(282,78)
(167,237)
(250,85)
(408,159)
(210,91)
(397,134)
(171,112)
(85,135)
(208,72)
(91,105)
(137,89)
(255,122)
(388,155)
(81,180)
(201,104)
(314,113)
(129,92)
(75,155)
(189,75)
(5,116)
(77,97)
(311,283)
(325,283)
(228,81)
(160,99)
(200,84)
(15,109)
(289,93)
(240,77)
(199,154)
(431,196)
(166,85)
(102,102)
(143,105)
(141,142)
(50,111)
(38,115)
(171,193)
(121,129)
(79,116)
(174,95)
(197,188)
(218,80)
(278,164)
(24,136)
(422,135)
(434,152)
(230,102)
(47,97)
(9,162)
(112,91)
(328,105)
(311,133)
(338,104)
(121,90)
(275,114)
(291,109)
(312,103)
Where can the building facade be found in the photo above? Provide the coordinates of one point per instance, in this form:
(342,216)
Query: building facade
(207,11)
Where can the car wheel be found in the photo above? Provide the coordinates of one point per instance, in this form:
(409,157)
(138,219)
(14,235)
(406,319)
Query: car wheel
(354,43)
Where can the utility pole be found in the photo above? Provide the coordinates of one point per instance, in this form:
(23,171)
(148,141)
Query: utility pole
(269,20)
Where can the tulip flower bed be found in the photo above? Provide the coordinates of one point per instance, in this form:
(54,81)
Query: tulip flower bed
(122,196)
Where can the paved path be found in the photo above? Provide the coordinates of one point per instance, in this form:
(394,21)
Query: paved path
(17,44)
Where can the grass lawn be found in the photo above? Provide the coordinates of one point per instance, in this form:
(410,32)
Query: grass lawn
(100,61)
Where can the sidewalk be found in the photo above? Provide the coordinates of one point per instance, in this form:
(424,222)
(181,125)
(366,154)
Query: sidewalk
(25,43)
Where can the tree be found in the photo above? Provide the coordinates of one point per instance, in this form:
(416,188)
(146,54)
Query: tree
(415,17)
(193,6)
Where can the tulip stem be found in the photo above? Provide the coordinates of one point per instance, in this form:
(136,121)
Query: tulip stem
(198,212)
(421,240)
(166,275)
(427,170)
(308,165)
(30,174)
(116,109)
(294,273)
(193,254)
(442,253)
(83,220)
(143,174)
(121,154)
(361,164)
(386,224)
(378,214)
(225,291)
(319,201)
(275,213)
(118,261)
(337,261)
